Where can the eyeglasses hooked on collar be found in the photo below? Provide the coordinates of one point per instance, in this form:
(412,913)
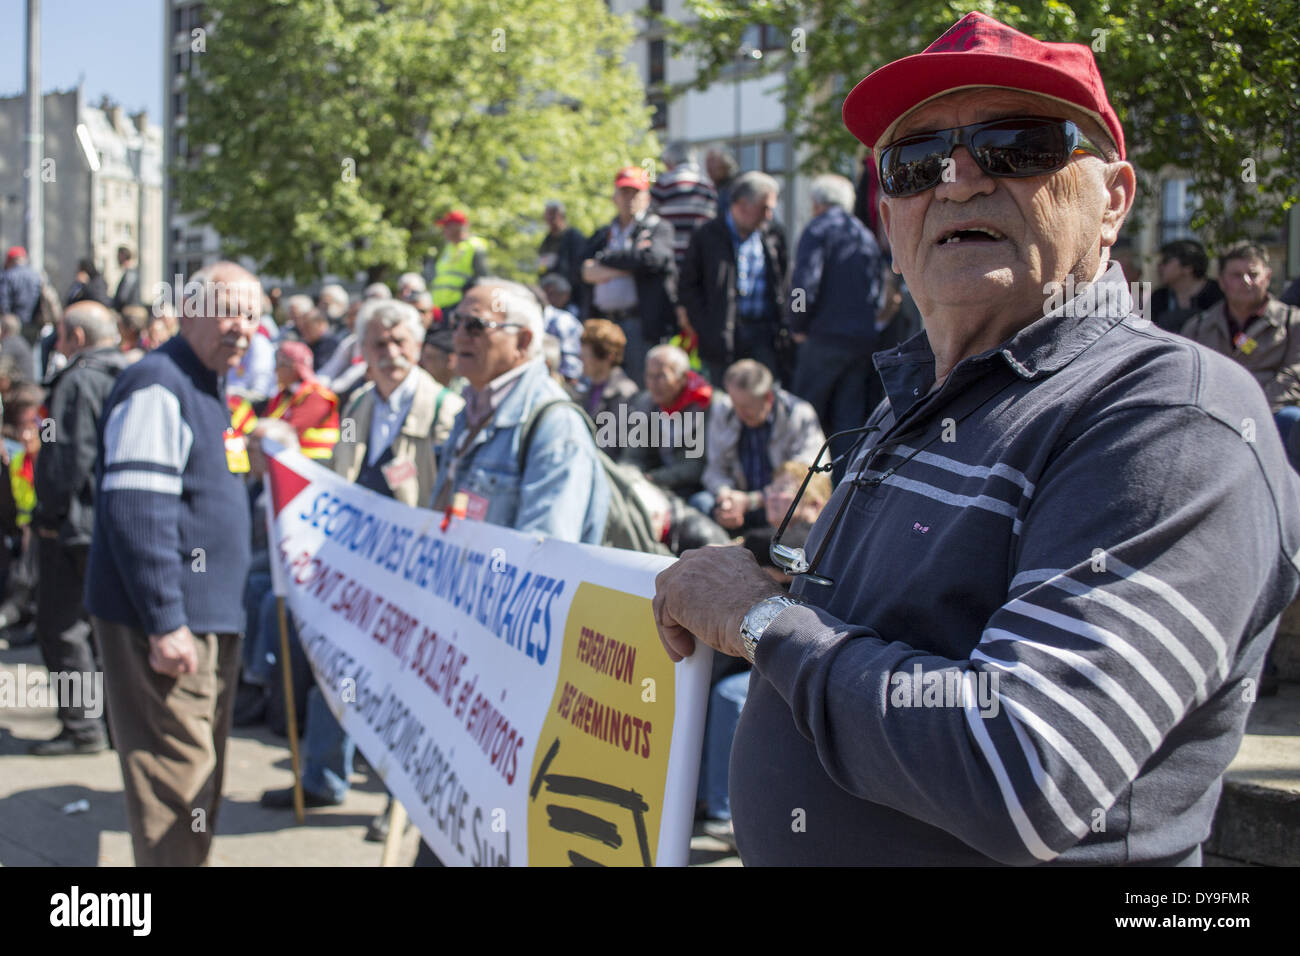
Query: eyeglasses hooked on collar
(794,561)
(1015,148)
(476,326)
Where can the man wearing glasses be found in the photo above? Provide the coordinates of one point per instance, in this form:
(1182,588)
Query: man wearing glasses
(560,490)
(1040,600)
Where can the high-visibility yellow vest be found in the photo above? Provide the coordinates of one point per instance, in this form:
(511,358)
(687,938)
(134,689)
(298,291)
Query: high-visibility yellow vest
(455,267)
(22,479)
(242,417)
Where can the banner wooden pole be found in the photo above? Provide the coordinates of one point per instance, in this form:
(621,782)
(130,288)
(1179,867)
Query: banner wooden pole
(396,829)
(290,711)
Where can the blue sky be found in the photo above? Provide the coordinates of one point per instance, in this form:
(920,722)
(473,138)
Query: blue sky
(115,46)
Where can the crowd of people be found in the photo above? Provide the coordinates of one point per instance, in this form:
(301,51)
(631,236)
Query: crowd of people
(743,361)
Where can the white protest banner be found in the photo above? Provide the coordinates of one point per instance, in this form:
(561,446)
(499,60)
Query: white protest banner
(511,690)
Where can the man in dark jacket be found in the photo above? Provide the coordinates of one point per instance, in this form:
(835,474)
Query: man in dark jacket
(835,290)
(128,287)
(733,278)
(631,269)
(20,287)
(64,517)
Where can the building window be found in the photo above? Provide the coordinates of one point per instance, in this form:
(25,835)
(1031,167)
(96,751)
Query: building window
(658,59)
(101,231)
(659,114)
(181,62)
(775,156)
(748,157)
(656,6)
(1177,206)
(178,104)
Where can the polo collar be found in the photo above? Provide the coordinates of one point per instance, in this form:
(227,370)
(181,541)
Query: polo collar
(1075,320)
(180,352)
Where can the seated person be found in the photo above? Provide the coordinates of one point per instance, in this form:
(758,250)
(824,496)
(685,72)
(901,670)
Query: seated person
(604,385)
(753,428)
(669,449)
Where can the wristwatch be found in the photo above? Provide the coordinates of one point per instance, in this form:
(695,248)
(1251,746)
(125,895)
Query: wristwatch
(758,617)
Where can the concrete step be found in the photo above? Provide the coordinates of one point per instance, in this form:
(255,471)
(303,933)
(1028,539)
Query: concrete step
(1258,820)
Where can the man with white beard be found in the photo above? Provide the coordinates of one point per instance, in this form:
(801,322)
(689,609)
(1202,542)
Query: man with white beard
(399,418)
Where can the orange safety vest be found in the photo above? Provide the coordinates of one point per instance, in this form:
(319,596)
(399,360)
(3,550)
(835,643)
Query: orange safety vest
(317,441)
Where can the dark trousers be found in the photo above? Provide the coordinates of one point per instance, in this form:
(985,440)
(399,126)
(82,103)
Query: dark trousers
(63,626)
(753,340)
(170,734)
(833,380)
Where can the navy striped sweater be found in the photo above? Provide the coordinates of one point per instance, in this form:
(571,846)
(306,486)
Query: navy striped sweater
(1054,587)
(171,542)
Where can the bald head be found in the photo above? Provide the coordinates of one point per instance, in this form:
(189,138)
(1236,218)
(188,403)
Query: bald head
(223,303)
(86,325)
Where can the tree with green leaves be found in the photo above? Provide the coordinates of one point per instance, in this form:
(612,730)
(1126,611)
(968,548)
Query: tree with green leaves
(1206,88)
(330,135)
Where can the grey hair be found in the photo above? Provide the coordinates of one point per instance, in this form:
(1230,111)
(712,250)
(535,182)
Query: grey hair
(299,305)
(551,349)
(377,290)
(519,306)
(553,280)
(98,325)
(413,279)
(214,281)
(390,313)
(678,152)
(422,300)
(672,356)
(556,205)
(334,293)
(832,190)
(724,156)
(749,376)
(753,185)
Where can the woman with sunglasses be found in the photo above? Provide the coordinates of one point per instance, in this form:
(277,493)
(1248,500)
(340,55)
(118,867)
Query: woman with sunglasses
(1027,626)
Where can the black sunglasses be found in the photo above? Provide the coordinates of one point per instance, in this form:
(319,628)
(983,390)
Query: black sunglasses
(1016,148)
(476,326)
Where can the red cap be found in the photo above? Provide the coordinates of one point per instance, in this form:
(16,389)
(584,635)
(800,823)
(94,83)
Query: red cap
(16,252)
(633,176)
(979,51)
(456,215)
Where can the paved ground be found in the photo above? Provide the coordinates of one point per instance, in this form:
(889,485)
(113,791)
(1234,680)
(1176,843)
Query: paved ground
(36,828)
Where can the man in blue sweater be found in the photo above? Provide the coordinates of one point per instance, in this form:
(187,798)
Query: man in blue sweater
(1042,596)
(167,567)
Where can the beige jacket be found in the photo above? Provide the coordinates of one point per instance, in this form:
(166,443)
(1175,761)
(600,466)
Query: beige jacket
(417,441)
(1269,350)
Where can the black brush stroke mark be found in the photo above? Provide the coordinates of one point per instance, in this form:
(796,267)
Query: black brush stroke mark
(582,823)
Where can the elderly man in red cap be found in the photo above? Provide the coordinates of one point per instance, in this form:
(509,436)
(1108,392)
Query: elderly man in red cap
(1037,605)
(632,271)
(463,259)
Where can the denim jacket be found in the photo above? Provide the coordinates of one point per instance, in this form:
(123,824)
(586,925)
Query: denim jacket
(562,492)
